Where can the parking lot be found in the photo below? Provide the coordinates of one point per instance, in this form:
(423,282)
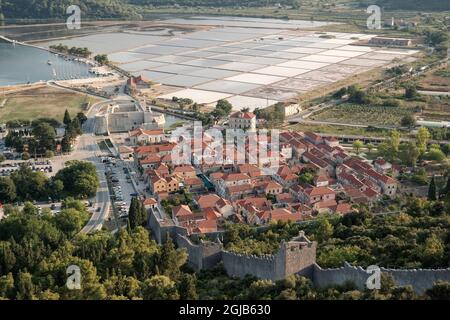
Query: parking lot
(8,167)
(122,190)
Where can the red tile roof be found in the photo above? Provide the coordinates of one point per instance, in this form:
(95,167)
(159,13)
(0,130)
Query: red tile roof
(243,115)
(182,211)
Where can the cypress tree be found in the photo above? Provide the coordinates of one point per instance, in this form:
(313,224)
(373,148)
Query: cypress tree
(133,213)
(432,190)
(67,120)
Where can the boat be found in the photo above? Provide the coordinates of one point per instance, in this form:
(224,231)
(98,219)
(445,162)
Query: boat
(49,62)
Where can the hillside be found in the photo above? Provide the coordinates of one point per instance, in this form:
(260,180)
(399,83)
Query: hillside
(415,5)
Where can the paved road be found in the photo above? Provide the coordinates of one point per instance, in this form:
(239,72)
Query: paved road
(87,149)
(434,93)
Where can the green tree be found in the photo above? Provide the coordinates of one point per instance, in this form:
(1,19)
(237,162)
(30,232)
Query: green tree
(7,257)
(66,144)
(137,214)
(170,260)
(370,147)
(80,179)
(394,142)
(432,251)
(357,146)
(7,286)
(411,92)
(67,119)
(439,291)
(432,190)
(324,230)
(423,136)
(101,59)
(187,287)
(25,287)
(81,117)
(45,136)
(70,221)
(7,190)
(160,287)
(434,155)
(408,121)
(409,153)
(32,184)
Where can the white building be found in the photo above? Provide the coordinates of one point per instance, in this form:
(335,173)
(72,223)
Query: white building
(141,136)
(242,120)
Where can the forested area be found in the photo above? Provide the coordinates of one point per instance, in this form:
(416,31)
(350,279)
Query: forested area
(43,9)
(416,5)
(36,250)
(78,179)
(214,3)
(416,237)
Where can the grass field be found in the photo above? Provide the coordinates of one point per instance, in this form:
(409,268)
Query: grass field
(43,102)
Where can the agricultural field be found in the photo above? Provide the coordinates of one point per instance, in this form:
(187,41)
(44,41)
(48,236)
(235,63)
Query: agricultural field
(339,130)
(437,109)
(364,115)
(43,102)
(438,80)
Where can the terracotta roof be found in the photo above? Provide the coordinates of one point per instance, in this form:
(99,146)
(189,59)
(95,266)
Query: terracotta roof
(257,202)
(156,179)
(140,131)
(208,201)
(321,178)
(183,169)
(284,197)
(193,181)
(150,159)
(181,211)
(222,203)
(342,208)
(150,201)
(271,185)
(381,177)
(248,168)
(211,214)
(243,115)
(216,175)
(205,226)
(284,215)
(240,188)
(313,136)
(236,177)
(155,148)
(325,204)
(351,179)
(319,191)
